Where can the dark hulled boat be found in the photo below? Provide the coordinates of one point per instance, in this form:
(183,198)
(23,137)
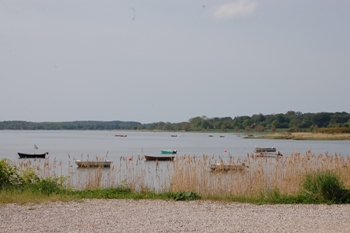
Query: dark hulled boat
(32,156)
(265,149)
(159,158)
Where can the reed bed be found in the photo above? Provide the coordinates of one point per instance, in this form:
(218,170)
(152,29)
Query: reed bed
(192,174)
(263,176)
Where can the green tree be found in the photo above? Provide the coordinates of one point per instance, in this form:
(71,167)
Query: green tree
(195,123)
(246,122)
(275,123)
(305,124)
(321,119)
(258,118)
(185,126)
(205,124)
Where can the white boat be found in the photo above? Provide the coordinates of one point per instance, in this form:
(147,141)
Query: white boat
(96,163)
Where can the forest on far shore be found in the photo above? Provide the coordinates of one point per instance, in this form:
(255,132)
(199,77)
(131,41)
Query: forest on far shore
(327,122)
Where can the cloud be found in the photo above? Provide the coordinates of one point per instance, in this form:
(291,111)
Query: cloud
(235,10)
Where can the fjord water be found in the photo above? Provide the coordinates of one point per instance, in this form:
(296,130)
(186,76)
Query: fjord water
(60,144)
(65,146)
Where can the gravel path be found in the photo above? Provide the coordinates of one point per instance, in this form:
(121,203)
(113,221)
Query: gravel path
(169,216)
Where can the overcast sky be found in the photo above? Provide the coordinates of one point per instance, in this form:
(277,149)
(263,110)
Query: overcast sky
(162,60)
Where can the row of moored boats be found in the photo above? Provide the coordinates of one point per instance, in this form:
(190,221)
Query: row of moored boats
(168,155)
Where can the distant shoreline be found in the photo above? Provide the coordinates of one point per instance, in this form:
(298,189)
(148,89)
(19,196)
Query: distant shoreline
(303,136)
(243,134)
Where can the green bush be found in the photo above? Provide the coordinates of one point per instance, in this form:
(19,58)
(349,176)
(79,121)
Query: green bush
(183,196)
(47,186)
(11,178)
(9,175)
(324,187)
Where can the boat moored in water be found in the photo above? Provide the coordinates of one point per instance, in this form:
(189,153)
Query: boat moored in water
(168,152)
(266,152)
(87,163)
(32,156)
(159,158)
(228,167)
(265,149)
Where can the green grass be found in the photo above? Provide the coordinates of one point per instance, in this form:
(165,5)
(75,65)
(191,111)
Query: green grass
(28,196)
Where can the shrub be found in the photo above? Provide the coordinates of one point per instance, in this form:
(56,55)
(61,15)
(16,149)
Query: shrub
(9,176)
(324,187)
(12,178)
(183,196)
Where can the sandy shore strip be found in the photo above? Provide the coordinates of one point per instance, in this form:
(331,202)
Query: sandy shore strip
(113,215)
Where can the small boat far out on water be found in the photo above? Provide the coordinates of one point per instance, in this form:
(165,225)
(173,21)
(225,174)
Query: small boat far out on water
(168,152)
(121,135)
(176,135)
(265,149)
(32,156)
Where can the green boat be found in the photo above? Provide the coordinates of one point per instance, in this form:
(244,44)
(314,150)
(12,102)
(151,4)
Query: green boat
(167,152)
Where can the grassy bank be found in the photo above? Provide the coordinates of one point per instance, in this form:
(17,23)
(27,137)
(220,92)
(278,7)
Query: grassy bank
(304,136)
(295,178)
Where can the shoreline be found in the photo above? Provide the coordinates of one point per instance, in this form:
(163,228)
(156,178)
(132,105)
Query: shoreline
(306,136)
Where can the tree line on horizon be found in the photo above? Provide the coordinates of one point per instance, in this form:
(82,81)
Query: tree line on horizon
(291,121)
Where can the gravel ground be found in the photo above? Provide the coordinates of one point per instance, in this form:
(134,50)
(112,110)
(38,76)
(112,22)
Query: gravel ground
(169,216)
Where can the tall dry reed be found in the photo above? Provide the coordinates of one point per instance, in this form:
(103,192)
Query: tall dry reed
(192,173)
(264,175)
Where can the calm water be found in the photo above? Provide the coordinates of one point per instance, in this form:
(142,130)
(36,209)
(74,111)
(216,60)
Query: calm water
(80,144)
(97,143)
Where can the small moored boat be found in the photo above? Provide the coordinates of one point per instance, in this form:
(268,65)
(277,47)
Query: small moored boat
(159,158)
(168,152)
(265,149)
(266,152)
(96,163)
(228,167)
(32,156)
